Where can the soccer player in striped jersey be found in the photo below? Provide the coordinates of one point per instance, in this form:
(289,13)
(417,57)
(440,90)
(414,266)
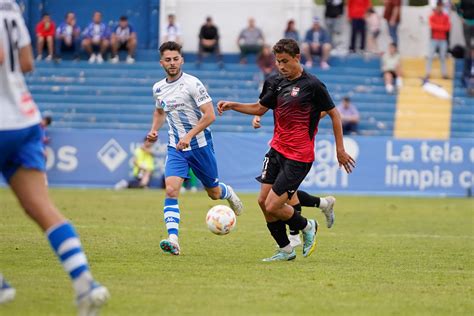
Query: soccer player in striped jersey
(183,100)
(23,165)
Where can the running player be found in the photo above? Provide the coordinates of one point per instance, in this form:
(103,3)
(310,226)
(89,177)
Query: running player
(297,99)
(23,165)
(188,109)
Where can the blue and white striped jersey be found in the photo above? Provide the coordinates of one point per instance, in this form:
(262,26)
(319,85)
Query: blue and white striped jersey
(181,100)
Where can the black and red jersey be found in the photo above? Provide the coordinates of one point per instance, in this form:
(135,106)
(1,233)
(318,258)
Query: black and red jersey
(297,105)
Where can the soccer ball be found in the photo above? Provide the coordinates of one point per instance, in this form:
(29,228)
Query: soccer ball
(221,220)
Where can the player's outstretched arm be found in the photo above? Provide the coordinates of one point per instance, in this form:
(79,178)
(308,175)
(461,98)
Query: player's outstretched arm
(343,158)
(158,120)
(208,116)
(246,108)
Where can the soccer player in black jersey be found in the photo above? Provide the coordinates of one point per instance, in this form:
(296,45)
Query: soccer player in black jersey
(297,99)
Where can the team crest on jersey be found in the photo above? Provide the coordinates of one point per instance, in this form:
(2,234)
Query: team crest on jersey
(294,91)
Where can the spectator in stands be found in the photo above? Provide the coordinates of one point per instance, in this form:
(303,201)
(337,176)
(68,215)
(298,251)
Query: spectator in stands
(172,31)
(123,37)
(291,31)
(45,122)
(439,25)
(357,10)
(465,10)
(45,37)
(349,116)
(96,39)
(317,42)
(333,17)
(250,40)
(143,166)
(391,68)
(68,36)
(373,21)
(392,9)
(266,61)
(209,41)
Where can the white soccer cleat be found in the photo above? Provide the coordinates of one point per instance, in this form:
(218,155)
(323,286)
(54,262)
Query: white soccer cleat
(89,303)
(295,240)
(234,202)
(328,211)
(7,293)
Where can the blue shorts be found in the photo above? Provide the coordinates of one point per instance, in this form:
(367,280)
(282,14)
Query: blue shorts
(201,160)
(21,148)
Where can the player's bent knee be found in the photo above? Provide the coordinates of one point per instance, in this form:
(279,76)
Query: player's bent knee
(172,192)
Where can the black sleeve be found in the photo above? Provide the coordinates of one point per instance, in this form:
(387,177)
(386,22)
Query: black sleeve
(201,32)
(268,96)
(321,97)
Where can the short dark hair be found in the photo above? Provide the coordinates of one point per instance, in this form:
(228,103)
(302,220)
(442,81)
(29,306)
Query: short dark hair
(123,18)
(48,119)
(347,99)
(288,46)
(170,45)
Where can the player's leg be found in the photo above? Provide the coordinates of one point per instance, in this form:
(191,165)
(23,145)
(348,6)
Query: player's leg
(176,170)
(325,204)
(204,164)
(7,293)
(294,235)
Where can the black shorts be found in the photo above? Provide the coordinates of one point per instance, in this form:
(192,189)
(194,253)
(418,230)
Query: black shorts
(285,174)
(123,46)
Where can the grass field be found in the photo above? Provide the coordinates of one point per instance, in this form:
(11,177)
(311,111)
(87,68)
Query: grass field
(384,256)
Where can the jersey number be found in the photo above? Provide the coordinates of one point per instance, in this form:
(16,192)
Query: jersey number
(12,36)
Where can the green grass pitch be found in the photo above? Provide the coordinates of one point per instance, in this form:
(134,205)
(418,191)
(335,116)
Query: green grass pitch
(384,256)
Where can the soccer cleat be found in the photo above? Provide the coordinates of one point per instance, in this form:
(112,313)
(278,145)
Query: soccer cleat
(170,247)
(309,238)
(7,293)
(328,211)
(89,303)
(234,202)
(281,255)
(295,240)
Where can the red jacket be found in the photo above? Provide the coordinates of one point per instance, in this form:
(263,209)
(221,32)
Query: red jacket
(357,8)
(43,32)
(440,25)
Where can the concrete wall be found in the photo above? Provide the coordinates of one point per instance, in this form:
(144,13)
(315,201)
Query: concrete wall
(271,16)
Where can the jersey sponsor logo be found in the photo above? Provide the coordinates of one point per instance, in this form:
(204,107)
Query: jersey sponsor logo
(112,155)
(295,91)
(27,105)
(204,97)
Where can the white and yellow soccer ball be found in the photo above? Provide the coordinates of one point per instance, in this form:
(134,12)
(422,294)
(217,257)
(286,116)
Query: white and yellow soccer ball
(221,220)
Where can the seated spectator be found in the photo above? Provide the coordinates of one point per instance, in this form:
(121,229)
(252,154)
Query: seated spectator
(250,41)
(391,68)
(439,25)
(45,36)
(266,61)
(123,37)
(68,36)
(373,21)
(349,116)
(209,41)
(96,39)
(172,31)
(291,31)
(143,166)
(317,42)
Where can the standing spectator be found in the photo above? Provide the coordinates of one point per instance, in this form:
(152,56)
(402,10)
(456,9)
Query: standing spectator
(391,13)
(391,68)
(333,16)
(317,42)
(250,40)
(96,39)
(349,116)
(172,31)
(373,30)
(68,36)
(209,41)
(465,9)
(45,36)
(123,37)
(357,10)
(291,32)
(266,61)
(440,25)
